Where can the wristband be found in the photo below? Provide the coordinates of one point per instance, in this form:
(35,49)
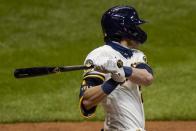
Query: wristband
(128,71)
(145,66)
(109,86)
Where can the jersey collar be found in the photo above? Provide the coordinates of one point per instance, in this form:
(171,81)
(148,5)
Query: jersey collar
(126,52)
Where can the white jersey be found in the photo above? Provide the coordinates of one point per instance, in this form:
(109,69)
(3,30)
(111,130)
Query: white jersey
(123,107)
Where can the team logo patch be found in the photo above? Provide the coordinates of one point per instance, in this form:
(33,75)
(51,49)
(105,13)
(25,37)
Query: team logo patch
(88,63)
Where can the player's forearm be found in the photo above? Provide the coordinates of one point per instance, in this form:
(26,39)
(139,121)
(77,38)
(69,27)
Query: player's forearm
(141,77)
(93,96)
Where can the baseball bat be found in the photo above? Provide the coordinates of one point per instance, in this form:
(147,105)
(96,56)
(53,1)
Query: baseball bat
(40,71)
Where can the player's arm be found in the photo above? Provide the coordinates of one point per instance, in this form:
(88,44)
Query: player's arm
(93,96)
(142,74)
(93,90)
(90,92)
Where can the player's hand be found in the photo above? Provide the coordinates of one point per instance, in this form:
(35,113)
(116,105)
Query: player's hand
(119,76)
(106,65)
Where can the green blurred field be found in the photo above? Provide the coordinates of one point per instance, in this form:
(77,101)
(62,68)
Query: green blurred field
(62,32)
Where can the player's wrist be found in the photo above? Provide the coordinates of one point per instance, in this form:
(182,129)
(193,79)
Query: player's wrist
(128,71)
(121,75)
(109,86)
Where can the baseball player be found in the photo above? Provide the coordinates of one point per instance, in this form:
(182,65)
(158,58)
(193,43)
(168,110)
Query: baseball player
(118,88)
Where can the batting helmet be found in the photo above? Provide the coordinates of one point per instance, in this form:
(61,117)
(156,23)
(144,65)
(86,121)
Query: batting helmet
(122,22)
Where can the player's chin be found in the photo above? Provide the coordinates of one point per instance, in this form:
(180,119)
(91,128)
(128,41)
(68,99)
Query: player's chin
(134,44)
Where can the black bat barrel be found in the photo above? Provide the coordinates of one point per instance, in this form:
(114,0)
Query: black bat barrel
(34,71)
(39,71)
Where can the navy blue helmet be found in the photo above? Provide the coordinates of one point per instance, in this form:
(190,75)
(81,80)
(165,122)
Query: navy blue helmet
(122,22)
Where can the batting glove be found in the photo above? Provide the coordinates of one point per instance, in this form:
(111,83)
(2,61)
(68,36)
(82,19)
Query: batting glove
(119,76)
(105,65)
(108,65)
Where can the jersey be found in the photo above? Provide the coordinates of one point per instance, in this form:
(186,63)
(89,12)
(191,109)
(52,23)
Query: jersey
(123,107)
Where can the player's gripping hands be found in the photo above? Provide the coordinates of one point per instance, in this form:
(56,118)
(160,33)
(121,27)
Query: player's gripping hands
(108,65)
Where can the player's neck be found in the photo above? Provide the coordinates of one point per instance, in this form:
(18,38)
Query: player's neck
(124,43)
(129,44)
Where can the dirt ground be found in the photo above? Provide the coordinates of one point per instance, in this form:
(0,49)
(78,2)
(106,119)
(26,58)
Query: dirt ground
(96,126)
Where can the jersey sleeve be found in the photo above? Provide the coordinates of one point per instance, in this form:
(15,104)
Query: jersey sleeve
(142,62)
(91,78)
